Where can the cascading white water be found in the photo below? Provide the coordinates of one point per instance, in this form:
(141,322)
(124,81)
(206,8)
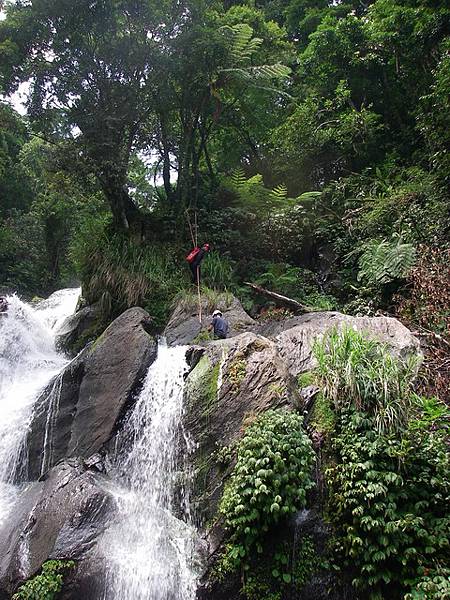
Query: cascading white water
(28,361)
(150,553)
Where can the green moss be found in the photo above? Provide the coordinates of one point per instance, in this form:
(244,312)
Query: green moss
(323,418)
(203,336)
(202,393)
(47,584)
(203,384)
(306,379)
(236,371)
(278,390)
(93,333)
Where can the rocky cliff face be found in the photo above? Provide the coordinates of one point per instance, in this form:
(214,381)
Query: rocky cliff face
(62,514)
(80,410)
(230,383)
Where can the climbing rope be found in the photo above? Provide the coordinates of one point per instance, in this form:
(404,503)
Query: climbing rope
(193,229)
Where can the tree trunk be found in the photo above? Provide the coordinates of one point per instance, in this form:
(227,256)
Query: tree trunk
(126,216)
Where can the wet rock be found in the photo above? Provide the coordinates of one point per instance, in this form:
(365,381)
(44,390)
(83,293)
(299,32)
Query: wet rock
(295,338)
(79,329)
(80,410)
(232,382)
(58,518)
(184,326)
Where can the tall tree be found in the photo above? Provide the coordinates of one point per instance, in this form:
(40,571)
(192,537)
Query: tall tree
(97,64)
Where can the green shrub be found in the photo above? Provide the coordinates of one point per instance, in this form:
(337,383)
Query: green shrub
(361,373)
(269,482)
(48,584)
(388,500)
(433,585)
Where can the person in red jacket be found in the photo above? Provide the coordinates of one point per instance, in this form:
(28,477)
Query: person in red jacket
(194,259)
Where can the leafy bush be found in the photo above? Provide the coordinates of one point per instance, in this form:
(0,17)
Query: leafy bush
(46,585)
(270,480)
(388,500)
(280,570)
(362,373)
(433,585)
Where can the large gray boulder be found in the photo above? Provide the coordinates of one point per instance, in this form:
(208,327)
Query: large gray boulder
(61,517)
(231,382)
(295,338)
(184,326)
(81,409)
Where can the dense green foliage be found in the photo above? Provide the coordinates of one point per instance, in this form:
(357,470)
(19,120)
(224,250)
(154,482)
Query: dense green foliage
(269,482)
(389,502)
(306,140)
(359,373)
(46,585)
(388,471)
(310,139)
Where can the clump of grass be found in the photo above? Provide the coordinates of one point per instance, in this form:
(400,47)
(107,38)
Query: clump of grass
(129,274)
(217,271)
(356,372)
(187,299)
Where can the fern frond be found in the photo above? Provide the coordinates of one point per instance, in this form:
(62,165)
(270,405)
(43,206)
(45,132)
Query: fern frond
(275,71)
(382,262)
(280,191)
(238,177)
(308,196)
(242,44)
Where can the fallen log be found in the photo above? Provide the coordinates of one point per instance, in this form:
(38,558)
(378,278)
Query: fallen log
(279,298)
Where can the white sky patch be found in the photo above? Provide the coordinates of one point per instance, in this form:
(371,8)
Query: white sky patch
(18,99)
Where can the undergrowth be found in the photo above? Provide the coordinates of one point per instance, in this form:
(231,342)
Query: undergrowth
(187,299)
(388,501)
(387,475)
(269,482)
(127,274)
(47,584)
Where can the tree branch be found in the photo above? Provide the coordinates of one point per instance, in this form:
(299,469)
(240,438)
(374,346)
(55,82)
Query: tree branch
(280,299)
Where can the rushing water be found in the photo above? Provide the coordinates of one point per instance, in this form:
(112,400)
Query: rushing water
(28,361)
(150,552)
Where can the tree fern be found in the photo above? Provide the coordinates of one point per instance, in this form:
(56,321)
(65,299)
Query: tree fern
(241,48)
(238,177)
(382,262)
(242,45)
(280,192)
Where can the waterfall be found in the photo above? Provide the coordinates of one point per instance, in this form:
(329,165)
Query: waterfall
(28,361)
(149,550)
